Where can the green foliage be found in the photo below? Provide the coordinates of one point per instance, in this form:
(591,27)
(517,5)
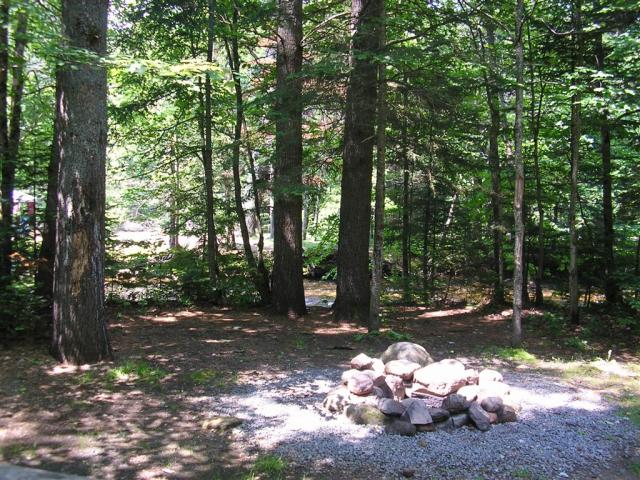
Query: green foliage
(511,354)
(390,334)
(270,467)
(22,311)
(210,377)
(135,371)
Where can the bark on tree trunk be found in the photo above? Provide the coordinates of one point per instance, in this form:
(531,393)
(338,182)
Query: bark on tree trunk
(381,144)
(518,199)
(79,330)
(207,154)
(353,292)
(11,145)
(611,290)
(574,314)
(287,287)
(261,283)
(44,275)
(405,192)
(493,101)
(6,225)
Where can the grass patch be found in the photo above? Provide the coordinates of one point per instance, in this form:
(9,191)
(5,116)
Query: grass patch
(16,450)
(212,377)
(635,468)
(510,354)
(630,405)
(137,371)
(390,334)
(268,466)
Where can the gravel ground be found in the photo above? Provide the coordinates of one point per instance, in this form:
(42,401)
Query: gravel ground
(563,432)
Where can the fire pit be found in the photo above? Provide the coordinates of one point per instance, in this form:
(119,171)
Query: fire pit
(407,392)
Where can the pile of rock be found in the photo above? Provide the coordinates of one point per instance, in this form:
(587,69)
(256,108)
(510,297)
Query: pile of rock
(406,391)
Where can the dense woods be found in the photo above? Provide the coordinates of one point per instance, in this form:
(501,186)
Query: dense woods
(241,145)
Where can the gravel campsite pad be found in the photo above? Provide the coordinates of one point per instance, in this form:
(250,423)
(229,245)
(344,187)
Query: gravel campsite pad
(562,432)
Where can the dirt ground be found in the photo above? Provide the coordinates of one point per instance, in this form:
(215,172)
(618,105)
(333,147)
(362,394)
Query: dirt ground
(142,416)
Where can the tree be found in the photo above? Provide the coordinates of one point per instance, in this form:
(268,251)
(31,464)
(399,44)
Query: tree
(519,180)
(378,229)
(574,314)
(287,286)
(353,292)
(79,329)
(10,129)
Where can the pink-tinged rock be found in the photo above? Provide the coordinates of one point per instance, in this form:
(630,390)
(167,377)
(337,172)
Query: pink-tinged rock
(418,391)
(348,374)
(493,389)
(492,404)
(493,417)
(471,376)
(416,412)
(470,392)
(441,378)
(479,417)
(401,368)
(377,366)
(361,362)
(512,402)
(360,384)
(488,375)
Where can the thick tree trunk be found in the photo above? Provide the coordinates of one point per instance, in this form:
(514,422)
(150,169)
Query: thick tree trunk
(381,145)
(574,314)
(493,102)
(288,287)
(353,292)
(207,154)
(79,329)
(611,289)
(518,199)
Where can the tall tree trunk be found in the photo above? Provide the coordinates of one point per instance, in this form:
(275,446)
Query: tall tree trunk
(207,154)
(381,145)
(174,220)
(44,275)
(257,203)
(574,314)
(405,191)
(536,113)
(518,199)
(353,292)
(233,54)
(493,101)
(79,329)
(611,290)
(288,287)
(6,198)
(305,215)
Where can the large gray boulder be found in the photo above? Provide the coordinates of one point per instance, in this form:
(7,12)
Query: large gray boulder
(416,412)
(407,351)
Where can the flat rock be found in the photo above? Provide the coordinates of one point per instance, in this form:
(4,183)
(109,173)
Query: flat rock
(391,407)
(401,368)
(360,384)
(493,389)
(346,375)
(400,427)
(418,391)
(366,415)
(407,351)
(416,412)
(470,392)
(479,417)
(492,404)
(361,361)
(377,365)
(441,378)
(337,399)
(460,420)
